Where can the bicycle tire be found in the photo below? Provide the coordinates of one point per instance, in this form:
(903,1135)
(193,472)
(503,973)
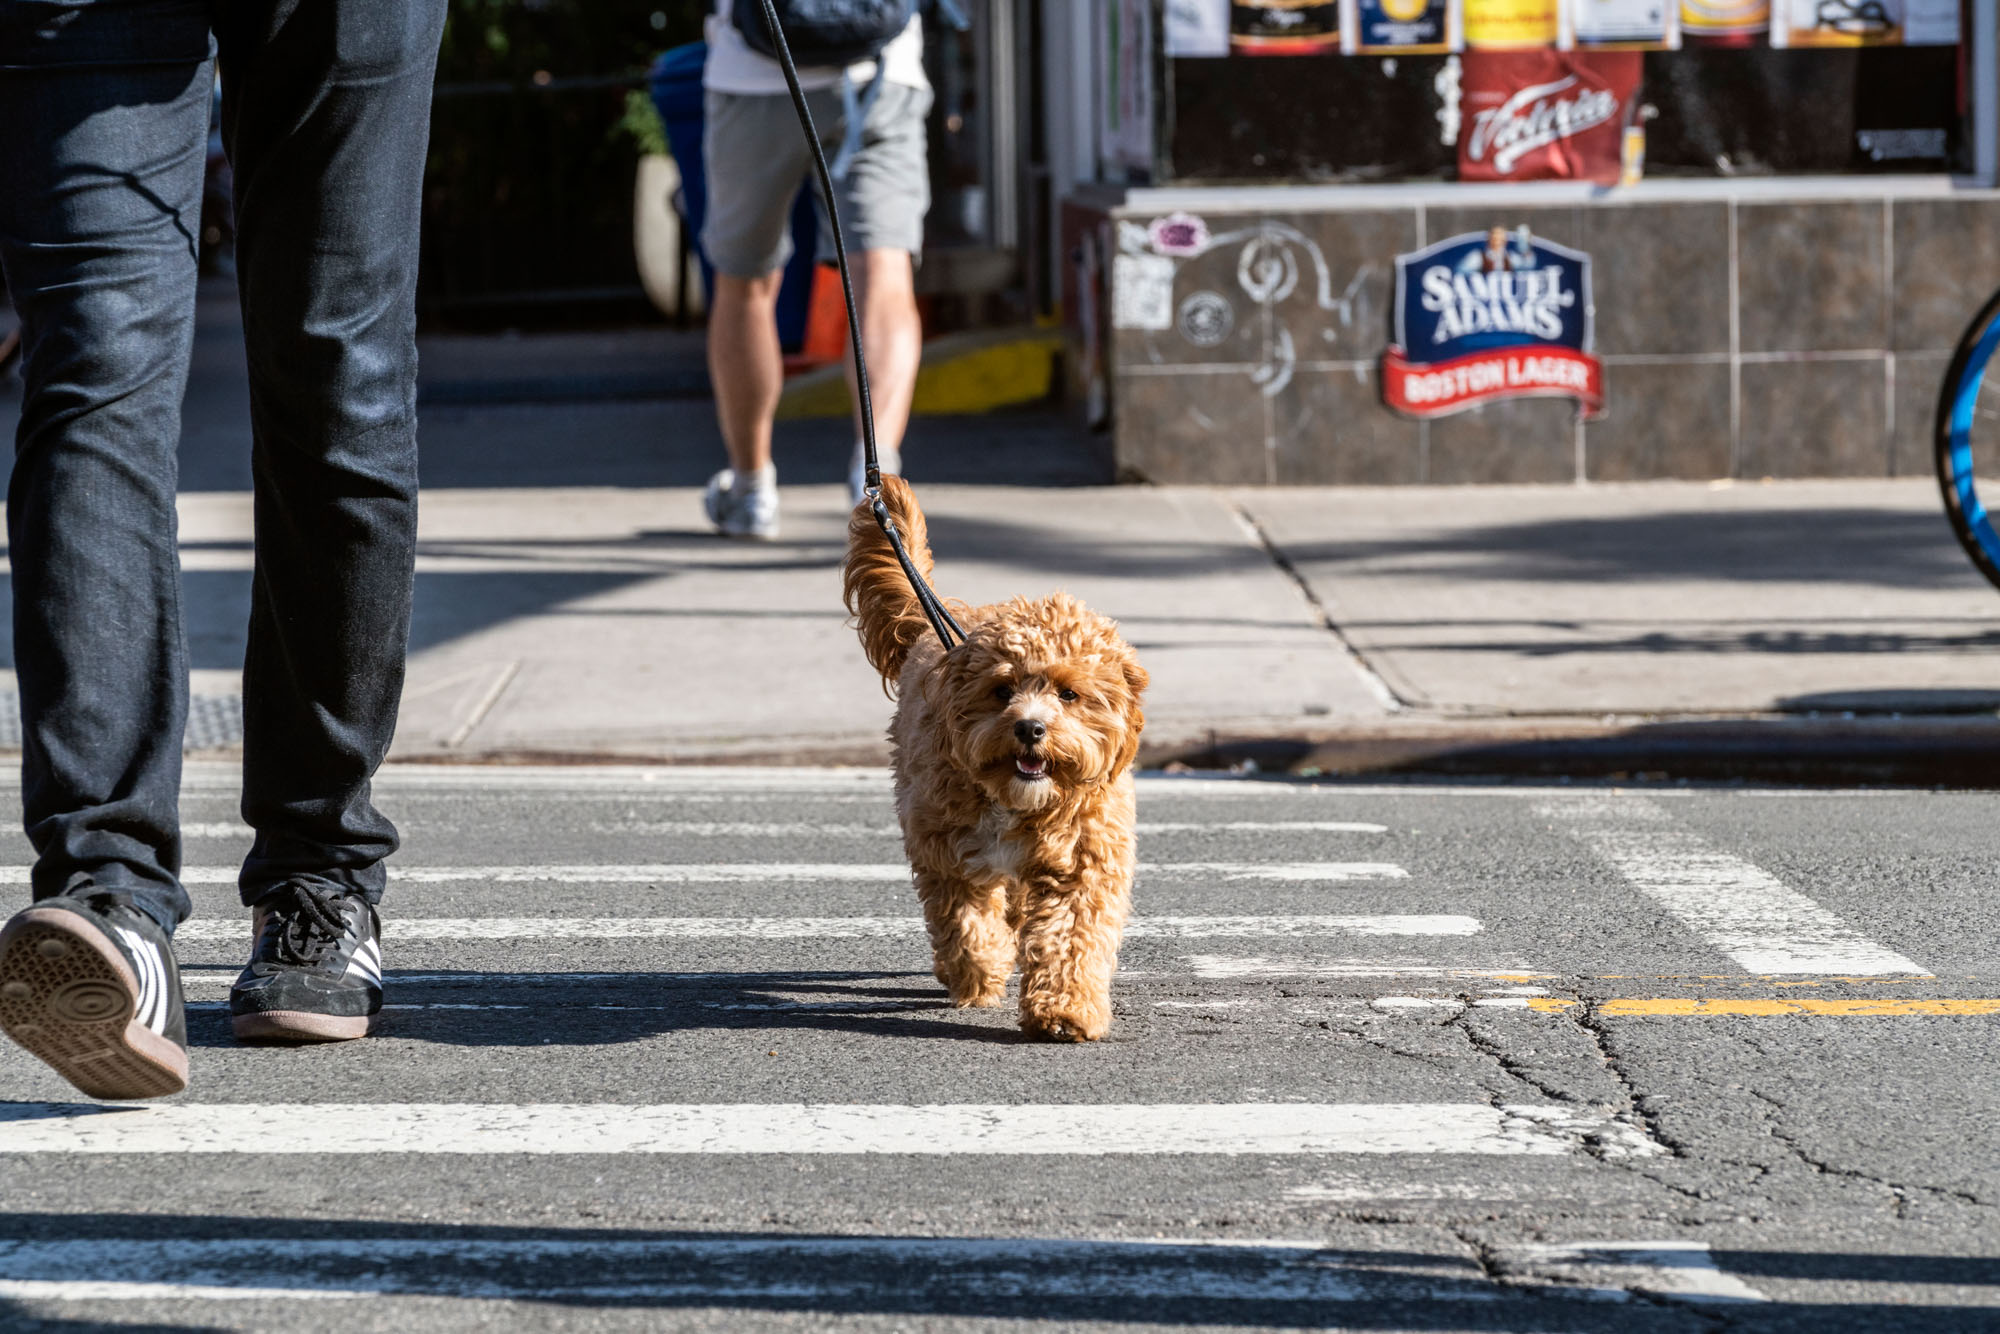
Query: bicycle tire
(1958,398)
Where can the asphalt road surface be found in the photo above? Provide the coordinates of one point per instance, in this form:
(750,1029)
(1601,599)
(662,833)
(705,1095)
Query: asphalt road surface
(663,1051)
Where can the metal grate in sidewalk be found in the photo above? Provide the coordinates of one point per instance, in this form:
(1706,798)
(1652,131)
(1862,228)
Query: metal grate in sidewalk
(214,721)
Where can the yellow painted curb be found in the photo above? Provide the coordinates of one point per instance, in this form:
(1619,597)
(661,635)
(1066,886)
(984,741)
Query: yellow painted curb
(962,375)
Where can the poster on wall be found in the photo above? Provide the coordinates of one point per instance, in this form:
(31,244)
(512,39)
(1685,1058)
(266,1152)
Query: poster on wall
(1621,25)
(1725,22)
(1285,27)
(1416,27)
(1546,115)
(1864,23)
(1125,89)
(1491,315)
(1196,29)
(1510,25)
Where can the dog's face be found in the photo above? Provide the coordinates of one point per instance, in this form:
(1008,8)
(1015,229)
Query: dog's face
(1041,699)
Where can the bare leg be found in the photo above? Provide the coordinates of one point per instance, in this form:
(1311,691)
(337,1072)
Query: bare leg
(1069,949)
(892,337)
(972,948)
(746,365)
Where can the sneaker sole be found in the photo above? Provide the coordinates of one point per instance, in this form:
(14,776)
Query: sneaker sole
(68,997)
(300,1026)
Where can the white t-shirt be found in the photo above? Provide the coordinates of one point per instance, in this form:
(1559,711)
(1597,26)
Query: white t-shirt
(734,68)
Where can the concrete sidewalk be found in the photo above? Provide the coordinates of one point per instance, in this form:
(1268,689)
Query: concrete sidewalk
(571,605)
(1803,629)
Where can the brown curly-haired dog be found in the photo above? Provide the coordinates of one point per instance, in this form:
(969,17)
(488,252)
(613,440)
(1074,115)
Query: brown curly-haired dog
(1013,756)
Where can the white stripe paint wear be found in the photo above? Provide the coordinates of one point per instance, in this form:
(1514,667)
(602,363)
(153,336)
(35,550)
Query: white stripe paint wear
(849,928)
(1741,909)
(1223,967)
(1062,1130)
(809,828)
(950,1271)
(1681,1271)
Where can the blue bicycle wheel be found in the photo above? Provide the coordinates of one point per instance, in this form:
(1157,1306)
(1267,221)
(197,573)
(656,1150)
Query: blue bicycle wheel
(1968,438)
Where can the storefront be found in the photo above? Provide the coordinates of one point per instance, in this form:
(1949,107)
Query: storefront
(1394,241)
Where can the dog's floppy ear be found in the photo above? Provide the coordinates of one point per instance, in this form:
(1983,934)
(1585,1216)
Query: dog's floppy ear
(1136,679)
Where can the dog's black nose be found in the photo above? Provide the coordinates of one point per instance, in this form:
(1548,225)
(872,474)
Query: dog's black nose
(1028,731)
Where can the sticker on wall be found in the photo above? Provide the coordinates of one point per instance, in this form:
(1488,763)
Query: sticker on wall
(1206,319)
(1197,28)
(1622,25)
(1546,115)
(1177,234)
(1491,315)
(1142,292)
(1864,23)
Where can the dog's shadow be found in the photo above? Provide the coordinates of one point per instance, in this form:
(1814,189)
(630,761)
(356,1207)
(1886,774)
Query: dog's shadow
(600,1009)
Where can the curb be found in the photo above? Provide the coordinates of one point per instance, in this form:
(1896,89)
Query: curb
(1924,752)
(961,375)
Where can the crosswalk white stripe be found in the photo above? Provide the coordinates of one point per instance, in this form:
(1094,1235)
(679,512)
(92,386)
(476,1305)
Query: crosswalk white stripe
(837,829)
(731,1270)
(853,928)
(686,873)
(1736,906)
(152,1290)
(1064,1130)
(216,829)
(1217,967)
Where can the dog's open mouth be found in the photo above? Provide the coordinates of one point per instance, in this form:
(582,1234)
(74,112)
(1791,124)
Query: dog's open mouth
(1031,767)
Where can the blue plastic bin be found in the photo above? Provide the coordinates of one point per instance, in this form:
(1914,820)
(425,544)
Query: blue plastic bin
(675,84)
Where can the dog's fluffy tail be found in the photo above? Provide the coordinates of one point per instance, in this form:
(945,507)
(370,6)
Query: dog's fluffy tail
(874,586)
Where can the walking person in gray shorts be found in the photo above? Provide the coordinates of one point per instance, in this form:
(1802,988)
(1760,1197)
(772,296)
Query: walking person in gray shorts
(755,159)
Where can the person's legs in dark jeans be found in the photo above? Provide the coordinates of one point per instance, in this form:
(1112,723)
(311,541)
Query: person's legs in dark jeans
(326,112)
(103,129)
(102,139)
(326,116)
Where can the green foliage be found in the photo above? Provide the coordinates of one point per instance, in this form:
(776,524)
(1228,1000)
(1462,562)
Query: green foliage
(642,121)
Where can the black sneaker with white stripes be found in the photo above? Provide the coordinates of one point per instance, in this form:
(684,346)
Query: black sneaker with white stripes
(315,972)
(88,983)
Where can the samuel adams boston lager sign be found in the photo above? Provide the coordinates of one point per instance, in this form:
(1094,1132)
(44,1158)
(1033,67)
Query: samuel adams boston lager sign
(1493,314)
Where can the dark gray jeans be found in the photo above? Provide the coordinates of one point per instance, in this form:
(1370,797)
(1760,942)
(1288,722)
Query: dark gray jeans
(104,111)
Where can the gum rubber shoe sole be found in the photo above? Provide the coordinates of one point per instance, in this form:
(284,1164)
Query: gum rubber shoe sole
(299,1026)
(69,997)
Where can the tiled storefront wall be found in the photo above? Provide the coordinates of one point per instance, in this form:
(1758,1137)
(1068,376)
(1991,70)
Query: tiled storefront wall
(1741,338)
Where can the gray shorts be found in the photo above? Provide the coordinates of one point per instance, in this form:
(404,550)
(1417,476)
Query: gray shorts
(754,155)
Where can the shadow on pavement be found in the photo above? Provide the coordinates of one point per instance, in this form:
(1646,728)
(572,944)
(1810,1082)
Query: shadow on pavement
(636,1006)
(1263,1285)
(1887,548)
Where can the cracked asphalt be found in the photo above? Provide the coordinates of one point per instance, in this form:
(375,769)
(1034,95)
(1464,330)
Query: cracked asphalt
(1545,1094)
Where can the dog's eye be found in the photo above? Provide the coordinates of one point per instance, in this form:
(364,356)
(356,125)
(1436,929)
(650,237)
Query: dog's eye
(1066,694)
(1003,693)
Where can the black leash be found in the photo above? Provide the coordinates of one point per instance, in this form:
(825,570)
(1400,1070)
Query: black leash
(934,611)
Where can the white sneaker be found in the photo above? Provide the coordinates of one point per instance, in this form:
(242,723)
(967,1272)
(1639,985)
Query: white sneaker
(857,470)
(752,514)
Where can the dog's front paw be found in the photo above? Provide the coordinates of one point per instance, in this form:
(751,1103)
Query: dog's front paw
(1076,1020)
(971,989)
